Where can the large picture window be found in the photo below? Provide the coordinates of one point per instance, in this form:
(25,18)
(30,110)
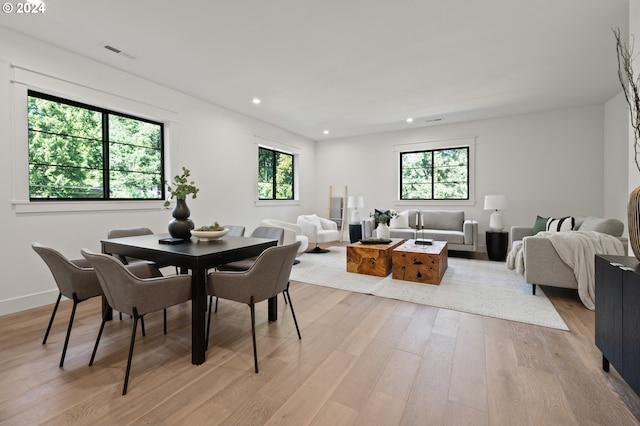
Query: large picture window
(275,175)
(438,174)
(81,152)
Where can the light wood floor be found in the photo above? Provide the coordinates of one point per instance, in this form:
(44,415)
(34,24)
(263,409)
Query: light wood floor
(363,360)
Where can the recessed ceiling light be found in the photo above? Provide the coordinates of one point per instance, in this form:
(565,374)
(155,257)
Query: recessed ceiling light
(256,101)
(326,132)
(409,120)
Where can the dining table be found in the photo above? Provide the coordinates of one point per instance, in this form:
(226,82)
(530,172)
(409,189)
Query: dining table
(198,257)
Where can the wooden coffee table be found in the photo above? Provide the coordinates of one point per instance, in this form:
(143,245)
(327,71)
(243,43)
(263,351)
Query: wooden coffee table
(420,263)
(371,259)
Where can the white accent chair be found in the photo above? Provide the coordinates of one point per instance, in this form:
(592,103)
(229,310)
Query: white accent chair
(292,233)
(318,230)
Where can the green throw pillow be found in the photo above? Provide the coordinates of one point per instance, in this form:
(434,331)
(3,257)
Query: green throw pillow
(540,225)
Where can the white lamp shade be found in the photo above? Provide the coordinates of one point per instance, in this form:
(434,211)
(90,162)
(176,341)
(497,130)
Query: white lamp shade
(495,202)
(355,203)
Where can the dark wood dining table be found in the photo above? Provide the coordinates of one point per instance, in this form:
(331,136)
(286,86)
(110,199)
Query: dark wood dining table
(198,257)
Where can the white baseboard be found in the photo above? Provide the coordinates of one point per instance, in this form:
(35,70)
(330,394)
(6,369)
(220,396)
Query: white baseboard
(10,306)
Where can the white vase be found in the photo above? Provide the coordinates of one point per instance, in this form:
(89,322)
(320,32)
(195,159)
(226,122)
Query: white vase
(383,230)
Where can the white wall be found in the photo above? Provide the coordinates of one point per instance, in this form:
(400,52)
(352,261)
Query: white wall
(548,163)
(634,30)
(616,151)
(216,144)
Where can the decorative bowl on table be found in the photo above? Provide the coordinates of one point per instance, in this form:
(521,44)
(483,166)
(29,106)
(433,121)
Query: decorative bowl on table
(209,235)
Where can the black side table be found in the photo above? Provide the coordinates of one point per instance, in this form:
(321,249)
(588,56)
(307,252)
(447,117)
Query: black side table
(355,232)
(497,243)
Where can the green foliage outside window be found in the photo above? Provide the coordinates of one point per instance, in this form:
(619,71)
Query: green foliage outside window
(275,175)
(80,152)
(441,174)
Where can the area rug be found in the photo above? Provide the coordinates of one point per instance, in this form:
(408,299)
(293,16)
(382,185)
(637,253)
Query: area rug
(474,286)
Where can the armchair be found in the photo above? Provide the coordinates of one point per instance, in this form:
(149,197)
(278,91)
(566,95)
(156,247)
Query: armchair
(318,230)
(292,233)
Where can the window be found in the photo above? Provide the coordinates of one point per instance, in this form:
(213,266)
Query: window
(275,175)
(438,174)
(81,152)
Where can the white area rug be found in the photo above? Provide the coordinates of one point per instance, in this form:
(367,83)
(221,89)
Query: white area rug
(474,286)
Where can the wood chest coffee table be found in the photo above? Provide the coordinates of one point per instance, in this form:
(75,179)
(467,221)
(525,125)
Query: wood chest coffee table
(371,259)
(420,263)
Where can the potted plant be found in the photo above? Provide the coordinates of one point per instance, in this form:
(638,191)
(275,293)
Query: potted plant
(180,188)
(382,219)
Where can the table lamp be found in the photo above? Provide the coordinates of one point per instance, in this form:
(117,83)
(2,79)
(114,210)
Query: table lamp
(355,203)
(495,202)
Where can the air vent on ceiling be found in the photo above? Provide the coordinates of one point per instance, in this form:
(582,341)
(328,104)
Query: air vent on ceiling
(119,52)
(431,120)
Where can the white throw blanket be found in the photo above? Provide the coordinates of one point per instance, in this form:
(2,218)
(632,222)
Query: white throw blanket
(577,250)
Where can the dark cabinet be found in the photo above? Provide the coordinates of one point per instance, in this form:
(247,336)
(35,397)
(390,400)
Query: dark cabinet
(618,315)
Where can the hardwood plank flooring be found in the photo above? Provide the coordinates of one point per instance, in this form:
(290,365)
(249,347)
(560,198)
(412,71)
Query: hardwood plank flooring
(362,360)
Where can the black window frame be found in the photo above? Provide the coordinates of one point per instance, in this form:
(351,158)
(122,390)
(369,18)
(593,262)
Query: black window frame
(106,189)
(274,184)
(432,151)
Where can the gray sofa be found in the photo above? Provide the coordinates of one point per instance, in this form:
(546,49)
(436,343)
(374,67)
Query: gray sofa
(542,264)
(441,225)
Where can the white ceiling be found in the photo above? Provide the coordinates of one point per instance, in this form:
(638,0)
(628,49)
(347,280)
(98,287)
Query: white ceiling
(353,66)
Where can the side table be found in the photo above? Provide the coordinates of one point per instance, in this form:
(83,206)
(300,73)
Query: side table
(355,232)
(497,243)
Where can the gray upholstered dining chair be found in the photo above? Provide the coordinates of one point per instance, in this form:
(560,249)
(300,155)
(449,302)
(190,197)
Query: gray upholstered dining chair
(268,232)
(135,296)
(75,279)
(267,277)
(154,269)
(129,232)
(235,230)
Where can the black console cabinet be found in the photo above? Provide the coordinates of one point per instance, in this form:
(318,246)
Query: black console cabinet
(618,315)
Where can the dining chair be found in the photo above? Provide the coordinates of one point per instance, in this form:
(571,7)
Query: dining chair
(129,232)
(134,232)
(235,230)
(75,279)
(267,277)
(268,232)
(134,296)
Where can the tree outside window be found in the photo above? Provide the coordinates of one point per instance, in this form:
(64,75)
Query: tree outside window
(80,152)
(275,175)
(441,174)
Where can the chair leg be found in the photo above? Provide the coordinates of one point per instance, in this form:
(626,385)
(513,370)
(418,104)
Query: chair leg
(216,305)
(252,307)
(533,290)
(165,320)
(287,295)
(206,339)
(142,324)
(133,341)
(95,348)
(66,340)
(53,315)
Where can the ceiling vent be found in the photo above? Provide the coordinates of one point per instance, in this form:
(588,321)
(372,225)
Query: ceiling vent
(119,52)
(432,120)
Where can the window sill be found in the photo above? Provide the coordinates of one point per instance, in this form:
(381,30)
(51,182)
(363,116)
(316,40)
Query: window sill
(35,207)
(265,203)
